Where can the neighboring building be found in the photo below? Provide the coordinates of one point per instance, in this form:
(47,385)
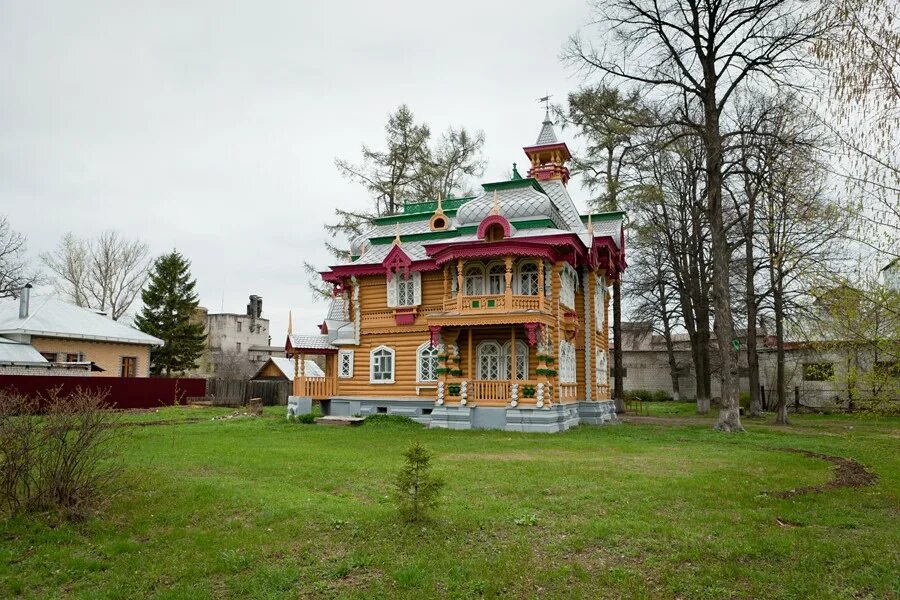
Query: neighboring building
(815,372)
(236,342)
(480,312)
(890,274)
(69,339)
(283,369)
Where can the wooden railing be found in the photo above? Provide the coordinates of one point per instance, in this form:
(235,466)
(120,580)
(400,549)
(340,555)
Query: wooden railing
(317,388)
(497,390)
(493,302)
(567,391)
(602,391)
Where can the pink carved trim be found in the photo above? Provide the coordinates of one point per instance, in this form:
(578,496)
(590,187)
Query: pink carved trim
(449,253)
(395,261)
(323,327)
(492,220)
(435,334)
(531,331)
(529,150)
(405,316)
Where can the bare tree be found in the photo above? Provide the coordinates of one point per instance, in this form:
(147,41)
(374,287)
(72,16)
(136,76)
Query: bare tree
(14,269)
(106,273)
(698,54)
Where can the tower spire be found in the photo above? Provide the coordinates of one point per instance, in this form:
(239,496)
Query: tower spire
(495,209)
(397,240)
(290,323)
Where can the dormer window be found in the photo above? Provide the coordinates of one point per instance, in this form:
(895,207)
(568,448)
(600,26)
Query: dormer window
(494,233)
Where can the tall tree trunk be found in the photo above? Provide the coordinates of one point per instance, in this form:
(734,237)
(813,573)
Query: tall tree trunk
(778,301)
(670,347)
(729,413)
(618,373)
(750,265)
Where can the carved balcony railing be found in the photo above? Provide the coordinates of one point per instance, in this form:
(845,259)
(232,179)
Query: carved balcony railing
(487,303)
(568,392)
(317,388)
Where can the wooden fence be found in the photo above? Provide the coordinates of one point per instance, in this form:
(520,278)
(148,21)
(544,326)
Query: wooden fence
(237,392)
(121,392)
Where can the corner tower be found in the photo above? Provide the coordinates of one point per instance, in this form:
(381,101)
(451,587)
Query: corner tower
(548,156)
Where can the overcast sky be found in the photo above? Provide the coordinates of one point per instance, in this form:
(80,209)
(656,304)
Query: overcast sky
(212,127)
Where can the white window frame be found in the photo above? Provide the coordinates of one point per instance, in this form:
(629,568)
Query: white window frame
(502,287)
(566,362)
(432,353)
(568,281)
(393,356)
(520,280)
(480,353)
(600,302)
(601,367)
(521,354)
(345,354)
(393,289)
(469,276)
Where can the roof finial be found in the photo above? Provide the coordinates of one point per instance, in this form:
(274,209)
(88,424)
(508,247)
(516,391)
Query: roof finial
(495,209)
(590,225)
(440,209)
(515,172)
(397,240)
(290,323)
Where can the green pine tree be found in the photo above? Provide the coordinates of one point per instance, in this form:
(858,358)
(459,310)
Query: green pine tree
(169,305)
(417,489)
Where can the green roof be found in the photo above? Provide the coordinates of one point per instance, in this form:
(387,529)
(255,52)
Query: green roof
(429,206)
(513,184)
(603,216)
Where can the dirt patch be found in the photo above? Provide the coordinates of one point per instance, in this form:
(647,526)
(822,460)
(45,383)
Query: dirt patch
(847,473)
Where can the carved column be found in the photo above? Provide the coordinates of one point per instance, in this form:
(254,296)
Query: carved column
(508,291)
(540,266)
(302,374)
(459,283)
(446,283)
(296,386)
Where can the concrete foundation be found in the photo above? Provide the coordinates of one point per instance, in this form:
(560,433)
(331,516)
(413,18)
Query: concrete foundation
(558,417)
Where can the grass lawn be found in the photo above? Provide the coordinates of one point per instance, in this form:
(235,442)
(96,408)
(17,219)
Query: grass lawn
(263,508)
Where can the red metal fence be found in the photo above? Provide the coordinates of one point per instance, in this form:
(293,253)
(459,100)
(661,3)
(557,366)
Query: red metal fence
(122,392)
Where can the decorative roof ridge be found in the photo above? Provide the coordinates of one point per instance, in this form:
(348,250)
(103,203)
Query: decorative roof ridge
(602,216)
(512,184)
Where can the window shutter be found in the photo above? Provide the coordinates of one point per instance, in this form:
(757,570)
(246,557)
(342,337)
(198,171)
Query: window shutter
(392,291)
(417,288)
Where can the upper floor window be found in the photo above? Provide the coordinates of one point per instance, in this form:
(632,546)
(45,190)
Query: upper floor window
(239,324)
(568,283)
(528,279)
(426,362)
(345,364)
(474,280)
(599,302)
(497,279)
(566,362)
(404,291)
(381,365)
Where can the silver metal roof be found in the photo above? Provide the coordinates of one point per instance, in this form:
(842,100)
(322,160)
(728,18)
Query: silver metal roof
(514,204)
(286,366)
(313,342)
(377,253)
(547,135)
(51,317)
(19,352)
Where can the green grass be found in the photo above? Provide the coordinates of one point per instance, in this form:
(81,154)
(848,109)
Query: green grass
(263,508)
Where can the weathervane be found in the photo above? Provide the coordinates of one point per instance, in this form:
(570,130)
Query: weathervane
(546,101)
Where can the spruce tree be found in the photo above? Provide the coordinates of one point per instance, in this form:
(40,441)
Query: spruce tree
(169,305)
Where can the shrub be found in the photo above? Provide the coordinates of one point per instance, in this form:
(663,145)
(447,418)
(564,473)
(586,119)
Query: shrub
(647,395)
(382,419)
(310,417)
(417,489)
(55,452)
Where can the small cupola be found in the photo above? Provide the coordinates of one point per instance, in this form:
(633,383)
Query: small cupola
(548,156)
(439,221)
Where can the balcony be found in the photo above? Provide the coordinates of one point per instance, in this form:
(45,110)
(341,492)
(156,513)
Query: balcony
(493,303)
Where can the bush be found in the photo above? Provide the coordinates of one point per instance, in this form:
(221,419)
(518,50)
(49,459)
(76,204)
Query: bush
(310,417)
(417,489)
(744,400)
(55,452)
(647,395)
(382,419)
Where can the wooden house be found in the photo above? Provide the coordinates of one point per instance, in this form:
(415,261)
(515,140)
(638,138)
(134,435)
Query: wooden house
(486,311)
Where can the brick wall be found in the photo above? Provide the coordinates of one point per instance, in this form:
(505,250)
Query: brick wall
(107,355)
(43,370)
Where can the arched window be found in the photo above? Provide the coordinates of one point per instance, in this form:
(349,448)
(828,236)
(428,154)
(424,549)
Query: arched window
(494,233)
(521,361)
(568,282)
(497,279)
(599,302)
(566,362)
(426,362)
(381,365)
(528,279)
(601,368)
(488,354)
(474,280)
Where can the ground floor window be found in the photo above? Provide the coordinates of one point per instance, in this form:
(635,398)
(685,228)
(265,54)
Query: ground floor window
(129,366)
(566,362)
(382,365)
(426,362)
(345,364)
(495,361)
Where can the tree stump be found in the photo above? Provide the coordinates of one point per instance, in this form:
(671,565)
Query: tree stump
(255,407)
